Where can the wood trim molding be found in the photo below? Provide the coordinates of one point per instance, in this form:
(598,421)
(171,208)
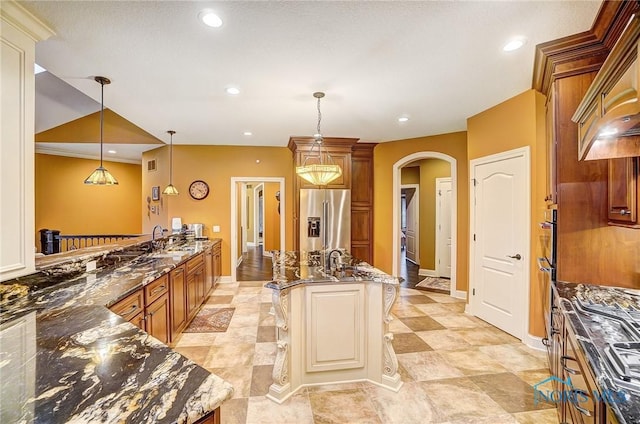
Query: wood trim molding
(582,52)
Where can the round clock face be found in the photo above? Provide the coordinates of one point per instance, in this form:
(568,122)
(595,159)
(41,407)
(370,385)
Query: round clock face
(199,190)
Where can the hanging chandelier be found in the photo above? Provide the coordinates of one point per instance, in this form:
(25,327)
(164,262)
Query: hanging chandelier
(171,190)
(321,172)
(101,176)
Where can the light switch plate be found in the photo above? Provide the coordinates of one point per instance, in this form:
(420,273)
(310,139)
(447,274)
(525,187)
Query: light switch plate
(216,228)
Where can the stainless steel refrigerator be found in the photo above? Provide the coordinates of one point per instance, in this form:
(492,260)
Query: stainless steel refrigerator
(325,219)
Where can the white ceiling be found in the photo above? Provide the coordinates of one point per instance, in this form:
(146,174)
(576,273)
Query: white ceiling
(437,63)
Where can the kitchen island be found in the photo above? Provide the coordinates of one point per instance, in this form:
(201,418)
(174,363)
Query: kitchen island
(65,357)
(332,324)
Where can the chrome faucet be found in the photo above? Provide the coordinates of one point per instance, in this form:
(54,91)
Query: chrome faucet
(335,261)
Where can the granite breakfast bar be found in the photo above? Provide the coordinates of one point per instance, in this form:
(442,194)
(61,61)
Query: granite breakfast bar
(332,323)
(65,357)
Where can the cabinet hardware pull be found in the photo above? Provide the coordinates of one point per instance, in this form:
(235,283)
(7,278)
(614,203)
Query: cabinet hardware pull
(582,410)
(563,360)
(157,289)
(622,212)
(546,342)
(131,310)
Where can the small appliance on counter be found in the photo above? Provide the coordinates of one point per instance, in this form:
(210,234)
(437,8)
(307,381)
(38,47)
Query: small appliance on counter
(176,225)
(197,230)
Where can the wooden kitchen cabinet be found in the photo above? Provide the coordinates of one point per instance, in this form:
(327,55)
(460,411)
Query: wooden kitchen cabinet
(208,266)
(195,284)
(131,308)
(177,301)
(217,262)
(623,191)
(608,116)
(157,319)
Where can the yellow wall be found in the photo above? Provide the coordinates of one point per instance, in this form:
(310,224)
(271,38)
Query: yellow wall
(410,175)
(159,178)
(63,202)
(430,169)
(216,165)
(519,122)
(385,156)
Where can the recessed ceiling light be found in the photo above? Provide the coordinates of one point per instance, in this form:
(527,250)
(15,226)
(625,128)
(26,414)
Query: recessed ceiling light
(37,69)
(113,152)
(233,90)
(209,18)
(248,133)
(514,44)
(403,119)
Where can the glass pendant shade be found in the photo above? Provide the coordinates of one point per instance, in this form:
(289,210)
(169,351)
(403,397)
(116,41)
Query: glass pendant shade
(321,173)
(101,176)
(171,190)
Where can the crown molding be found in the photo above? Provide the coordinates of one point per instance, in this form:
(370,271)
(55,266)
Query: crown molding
(582,52)
(17,16)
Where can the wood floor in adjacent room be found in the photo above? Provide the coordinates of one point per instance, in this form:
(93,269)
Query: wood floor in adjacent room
(455,367)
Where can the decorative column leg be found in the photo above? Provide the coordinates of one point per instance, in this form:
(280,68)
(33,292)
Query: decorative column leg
(280,388)
(390,376)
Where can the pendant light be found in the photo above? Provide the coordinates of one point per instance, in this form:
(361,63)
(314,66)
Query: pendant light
(101,176)
(320,173)
(171,190)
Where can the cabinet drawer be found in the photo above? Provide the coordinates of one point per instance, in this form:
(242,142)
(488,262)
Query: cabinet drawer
(194,263)
(156,288)
(130,306)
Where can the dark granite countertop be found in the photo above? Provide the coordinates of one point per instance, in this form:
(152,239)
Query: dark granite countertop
(65,357)
(593,333)
(293,268)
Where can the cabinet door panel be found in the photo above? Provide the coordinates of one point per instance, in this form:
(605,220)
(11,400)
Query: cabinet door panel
(622,185)
(158,319)
(178,301)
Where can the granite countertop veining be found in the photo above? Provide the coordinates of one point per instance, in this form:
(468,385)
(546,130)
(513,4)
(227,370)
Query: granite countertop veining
(64,357)
(293,268)
(592,339)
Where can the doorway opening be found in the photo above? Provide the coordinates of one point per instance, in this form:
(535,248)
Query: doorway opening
(257,226)
(421,169)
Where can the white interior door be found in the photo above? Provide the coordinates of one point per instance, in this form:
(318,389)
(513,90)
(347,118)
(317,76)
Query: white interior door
(412,224)
(500,218)
(443,227)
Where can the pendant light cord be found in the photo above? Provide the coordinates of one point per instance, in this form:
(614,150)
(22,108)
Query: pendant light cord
(171,159)
(101,118)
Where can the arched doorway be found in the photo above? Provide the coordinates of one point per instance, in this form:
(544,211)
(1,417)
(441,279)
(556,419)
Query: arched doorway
(396,248)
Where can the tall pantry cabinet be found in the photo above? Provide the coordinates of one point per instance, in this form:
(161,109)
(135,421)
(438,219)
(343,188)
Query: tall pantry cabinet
(19,32)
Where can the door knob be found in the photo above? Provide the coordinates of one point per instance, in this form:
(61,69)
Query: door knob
(516,256)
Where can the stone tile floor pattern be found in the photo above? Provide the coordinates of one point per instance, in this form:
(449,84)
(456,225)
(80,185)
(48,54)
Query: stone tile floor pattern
(456,368)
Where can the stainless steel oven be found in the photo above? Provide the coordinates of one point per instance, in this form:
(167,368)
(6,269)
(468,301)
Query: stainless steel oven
(548,267)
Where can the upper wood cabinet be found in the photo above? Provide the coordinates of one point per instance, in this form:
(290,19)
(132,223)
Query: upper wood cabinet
(608,117)
(338,148)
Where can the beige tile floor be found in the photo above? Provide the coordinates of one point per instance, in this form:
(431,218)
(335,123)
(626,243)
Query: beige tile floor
(455,368)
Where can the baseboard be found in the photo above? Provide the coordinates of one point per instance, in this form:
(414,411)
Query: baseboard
(250,243)
(239,261)
(467,309)
(267,253)
(460,294)
(225,279)
(427,272)
(534,342)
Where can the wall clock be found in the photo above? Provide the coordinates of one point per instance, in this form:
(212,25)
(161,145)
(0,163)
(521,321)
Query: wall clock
(199,189)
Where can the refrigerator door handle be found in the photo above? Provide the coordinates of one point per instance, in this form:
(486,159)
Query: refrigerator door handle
(325,220)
